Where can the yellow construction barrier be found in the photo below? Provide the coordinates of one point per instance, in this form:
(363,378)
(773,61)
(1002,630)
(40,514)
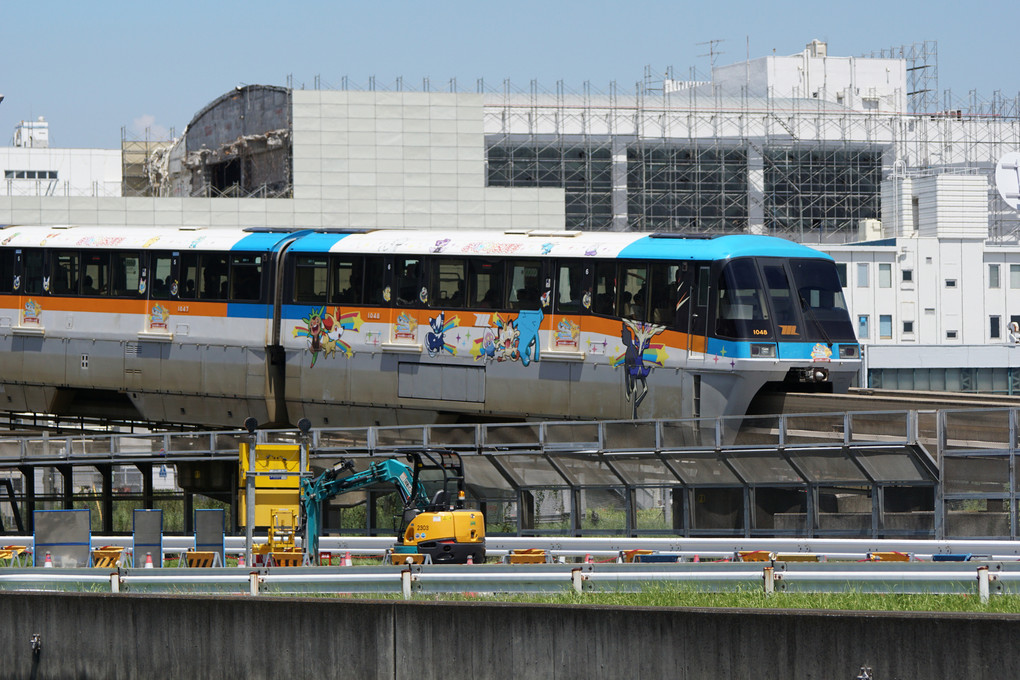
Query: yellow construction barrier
(198,559)
(527,556)
(107,557)
(629,555)
(17,554)
(889,556)
(286,558)
(755,556)
(797,557)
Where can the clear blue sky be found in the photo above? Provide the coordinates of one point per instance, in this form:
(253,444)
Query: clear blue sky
(92,68)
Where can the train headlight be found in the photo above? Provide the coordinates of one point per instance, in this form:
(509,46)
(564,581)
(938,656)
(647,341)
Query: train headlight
(849,352)
(763,350)
(819,374)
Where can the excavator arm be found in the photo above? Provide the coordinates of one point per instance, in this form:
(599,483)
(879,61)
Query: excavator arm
(330,484)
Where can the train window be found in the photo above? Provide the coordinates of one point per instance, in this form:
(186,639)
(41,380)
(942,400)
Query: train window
(409,281)
(95,274)
(784,306)
(66,269)
(125,273)
(703,284)
(821,299)
(633,299)
(346,280)
(6,271)
(740,302)
(213,270)
(661,289)
(189,274)
(680,302)
(32,272)
(377,280)
(161,276)
(569,287)
(245,277)
(310,279)
(605,288)
(485,284)
(523,284)
(447,284)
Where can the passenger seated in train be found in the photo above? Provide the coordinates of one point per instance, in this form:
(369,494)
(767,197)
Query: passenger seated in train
(407,286)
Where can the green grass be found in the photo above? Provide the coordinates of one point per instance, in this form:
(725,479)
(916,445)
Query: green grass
(679,597)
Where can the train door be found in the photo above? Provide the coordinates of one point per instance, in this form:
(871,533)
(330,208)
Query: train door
(699,276)
(409,296)
(570,299)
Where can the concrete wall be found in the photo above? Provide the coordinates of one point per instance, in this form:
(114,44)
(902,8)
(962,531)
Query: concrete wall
(121,636)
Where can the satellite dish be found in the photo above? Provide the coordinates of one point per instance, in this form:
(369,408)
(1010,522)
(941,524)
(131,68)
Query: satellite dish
(1007,179)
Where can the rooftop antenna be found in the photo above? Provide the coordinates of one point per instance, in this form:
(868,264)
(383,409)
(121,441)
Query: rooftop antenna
(712,51)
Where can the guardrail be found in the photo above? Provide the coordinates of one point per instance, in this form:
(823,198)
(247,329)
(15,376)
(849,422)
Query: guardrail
(982,579)
(602,548)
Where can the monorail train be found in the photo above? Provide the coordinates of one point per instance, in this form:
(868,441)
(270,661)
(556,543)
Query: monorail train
(346,328)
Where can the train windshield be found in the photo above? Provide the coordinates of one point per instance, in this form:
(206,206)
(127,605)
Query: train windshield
(741,310)
(821,300)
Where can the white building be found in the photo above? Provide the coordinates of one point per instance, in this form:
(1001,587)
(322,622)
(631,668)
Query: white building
(931,296)
(32,169)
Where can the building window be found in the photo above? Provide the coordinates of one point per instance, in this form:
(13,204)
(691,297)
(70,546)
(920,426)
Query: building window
(908,326)
(950,283)
(994,330)
(951,335)
(841,273)
(863,331)
(862,274)
(885,275)
(30,174)
(908,275)
(1014,276)
(993,276)
(885,326)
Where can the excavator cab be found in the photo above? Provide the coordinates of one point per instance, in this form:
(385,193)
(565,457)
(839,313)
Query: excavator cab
(443,529)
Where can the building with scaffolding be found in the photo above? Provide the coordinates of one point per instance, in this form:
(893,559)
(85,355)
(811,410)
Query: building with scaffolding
(822,149)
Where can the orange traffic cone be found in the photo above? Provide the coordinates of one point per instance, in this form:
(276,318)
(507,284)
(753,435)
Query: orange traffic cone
(348,562)
(697,559)
(587,558)
(471,559)
(49,560)
(240,560)
(148,560)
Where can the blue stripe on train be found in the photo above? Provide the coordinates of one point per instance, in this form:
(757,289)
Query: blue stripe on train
(788,351)
(248,310)
(721,248)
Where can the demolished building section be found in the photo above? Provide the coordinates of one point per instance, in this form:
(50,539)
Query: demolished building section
(238,146)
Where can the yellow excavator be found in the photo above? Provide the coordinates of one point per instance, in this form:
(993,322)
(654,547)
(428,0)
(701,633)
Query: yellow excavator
(440,527)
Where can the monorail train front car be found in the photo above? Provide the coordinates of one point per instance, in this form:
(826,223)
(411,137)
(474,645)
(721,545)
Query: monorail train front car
(405,326)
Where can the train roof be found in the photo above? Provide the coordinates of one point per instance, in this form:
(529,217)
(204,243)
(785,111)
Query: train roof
(136,238)
(538,243)
(518,243)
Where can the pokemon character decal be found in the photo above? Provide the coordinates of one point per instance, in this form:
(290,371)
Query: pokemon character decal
(821,352)
(31,311)
(159,318)
(568,334)
(406,329)
(324,331)
(509,339)
(435,339)
(638,357)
